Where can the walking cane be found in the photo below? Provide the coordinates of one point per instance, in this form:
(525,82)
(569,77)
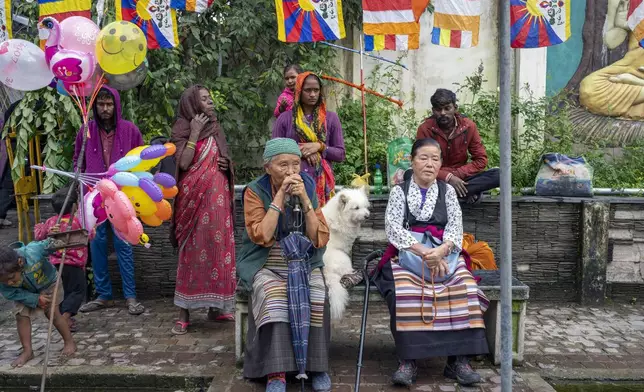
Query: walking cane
(367,283)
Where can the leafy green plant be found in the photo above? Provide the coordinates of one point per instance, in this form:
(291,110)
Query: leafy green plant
(545,126)
(625,171)
(232,49)
(56,118)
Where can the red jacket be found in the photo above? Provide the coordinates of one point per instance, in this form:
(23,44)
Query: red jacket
(464,139)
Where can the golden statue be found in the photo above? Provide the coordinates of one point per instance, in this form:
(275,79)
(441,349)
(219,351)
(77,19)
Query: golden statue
(617,90)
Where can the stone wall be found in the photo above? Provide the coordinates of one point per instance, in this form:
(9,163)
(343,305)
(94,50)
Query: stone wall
(545,244)
(625,269)
(546,247)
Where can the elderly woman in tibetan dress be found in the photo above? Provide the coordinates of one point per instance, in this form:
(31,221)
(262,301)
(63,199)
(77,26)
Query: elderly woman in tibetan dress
(263,270)
(430,319)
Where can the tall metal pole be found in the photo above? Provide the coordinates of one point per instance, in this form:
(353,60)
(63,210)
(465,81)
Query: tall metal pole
(505,132)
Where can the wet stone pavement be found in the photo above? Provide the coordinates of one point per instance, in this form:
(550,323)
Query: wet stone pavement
(558,339)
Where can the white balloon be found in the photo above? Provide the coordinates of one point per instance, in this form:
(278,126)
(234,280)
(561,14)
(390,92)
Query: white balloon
(90,219)
(23,66)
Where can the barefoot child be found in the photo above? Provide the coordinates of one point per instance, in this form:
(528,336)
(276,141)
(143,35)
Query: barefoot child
(73,276)
(29,279)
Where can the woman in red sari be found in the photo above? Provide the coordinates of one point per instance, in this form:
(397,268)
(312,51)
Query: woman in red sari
(203,212)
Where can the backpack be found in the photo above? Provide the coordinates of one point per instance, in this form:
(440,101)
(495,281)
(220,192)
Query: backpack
(167,165)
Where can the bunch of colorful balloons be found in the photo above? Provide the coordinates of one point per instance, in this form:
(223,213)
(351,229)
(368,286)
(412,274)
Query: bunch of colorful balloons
(131,194)
(77,54)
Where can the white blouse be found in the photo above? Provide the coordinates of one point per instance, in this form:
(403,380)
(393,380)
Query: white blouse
(395,216)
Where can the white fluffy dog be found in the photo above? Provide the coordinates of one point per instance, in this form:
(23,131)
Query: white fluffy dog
(344,213)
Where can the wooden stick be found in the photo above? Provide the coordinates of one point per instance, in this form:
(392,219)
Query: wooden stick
(366,90)
(54,301)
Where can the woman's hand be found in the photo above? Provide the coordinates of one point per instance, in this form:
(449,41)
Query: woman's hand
(441,269)
(309,149)
(223,164)
(314,160)
(299,190)
(294,185)
(289,181)
(198,123)
(433,257)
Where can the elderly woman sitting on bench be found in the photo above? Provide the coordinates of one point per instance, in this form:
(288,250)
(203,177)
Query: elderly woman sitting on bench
(264,271)
(442,314)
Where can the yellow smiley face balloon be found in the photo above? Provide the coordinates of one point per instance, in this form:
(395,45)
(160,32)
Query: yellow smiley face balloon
(121,47)
(141,202)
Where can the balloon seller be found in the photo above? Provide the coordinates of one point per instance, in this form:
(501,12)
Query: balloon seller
(111,138)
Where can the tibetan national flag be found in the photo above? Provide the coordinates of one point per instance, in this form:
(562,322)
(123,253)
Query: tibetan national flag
(197,6)
(385,17)
(391,42)
(61,10)
(636,19)
(155,17)
(539,23)
(456,23)
(309,20)
(5,20)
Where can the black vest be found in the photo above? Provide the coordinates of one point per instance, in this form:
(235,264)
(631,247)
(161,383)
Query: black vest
(439,216)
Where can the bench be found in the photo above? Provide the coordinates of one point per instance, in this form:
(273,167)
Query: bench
(490,284)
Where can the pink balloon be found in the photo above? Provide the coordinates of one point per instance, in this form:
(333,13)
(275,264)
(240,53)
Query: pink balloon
(94,211)
(79,33)
(79,89)
(120,211)
(134,231)
(72,66)
(84,89)
(97,201)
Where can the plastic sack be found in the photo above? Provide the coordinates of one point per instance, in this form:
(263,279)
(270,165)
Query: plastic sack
(361,181)
(398,160)
(481,254)
(560,175)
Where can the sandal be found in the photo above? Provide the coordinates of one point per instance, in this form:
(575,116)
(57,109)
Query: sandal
(225,317)
(180,327)
(97,304)
(135,308)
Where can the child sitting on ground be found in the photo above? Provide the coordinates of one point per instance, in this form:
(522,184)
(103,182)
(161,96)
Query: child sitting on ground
(29,279)
(73,276)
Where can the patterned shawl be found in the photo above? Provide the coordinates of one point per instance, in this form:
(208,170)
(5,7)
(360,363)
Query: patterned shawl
(312,133)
